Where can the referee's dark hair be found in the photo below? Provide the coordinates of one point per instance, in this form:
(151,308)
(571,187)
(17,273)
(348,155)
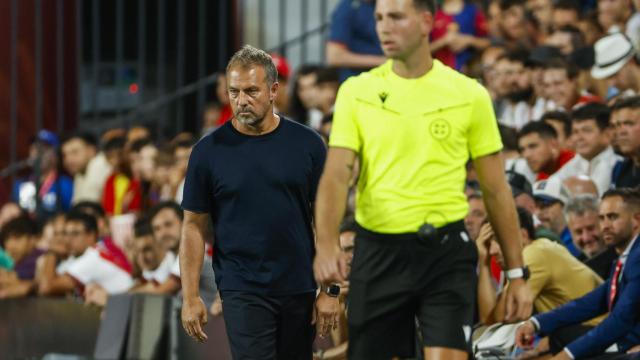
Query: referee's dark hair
(541,128)
(165,205)
(88,222)
(526,222)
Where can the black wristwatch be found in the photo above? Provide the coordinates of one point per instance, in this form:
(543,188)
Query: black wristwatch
(332,290)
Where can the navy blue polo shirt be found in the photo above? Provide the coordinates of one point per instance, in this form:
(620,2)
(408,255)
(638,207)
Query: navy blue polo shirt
(353,24)
(259,192)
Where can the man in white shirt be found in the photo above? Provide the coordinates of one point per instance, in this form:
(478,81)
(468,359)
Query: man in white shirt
(594,155)
(89,168)
(95,263)
(151,256)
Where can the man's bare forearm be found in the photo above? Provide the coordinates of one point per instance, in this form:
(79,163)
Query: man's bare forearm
(504,220)
(333,190)
(331,205)
(339,55)
(501,207)
(191,254)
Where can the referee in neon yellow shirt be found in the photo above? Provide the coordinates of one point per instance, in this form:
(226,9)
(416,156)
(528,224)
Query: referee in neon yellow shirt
(413,123)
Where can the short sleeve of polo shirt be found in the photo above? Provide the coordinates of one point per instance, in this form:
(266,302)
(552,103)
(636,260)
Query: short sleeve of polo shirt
(198,185)
(484,136)
(340,30)
(344,130)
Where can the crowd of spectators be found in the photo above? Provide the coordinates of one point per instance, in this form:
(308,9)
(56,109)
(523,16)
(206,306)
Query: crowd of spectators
(101,216)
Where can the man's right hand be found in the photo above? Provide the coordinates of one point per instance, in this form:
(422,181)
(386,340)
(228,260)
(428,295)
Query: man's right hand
(194,317)
(483,243)
(330,265)
(525,334)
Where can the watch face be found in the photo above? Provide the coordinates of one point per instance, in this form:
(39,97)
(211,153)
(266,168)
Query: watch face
(333,290)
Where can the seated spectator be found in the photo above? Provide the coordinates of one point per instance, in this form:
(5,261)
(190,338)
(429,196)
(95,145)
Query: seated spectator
(542,11)
(514,24)
(302,105)
(115,200)
(625,117)
(555,277)
(518,96)
(595,157)
(459,28)
(10,211)
(537,61)
(615,62)
(95,262)
(181,152)
(617,17)
(551,196)
(538,143)
(327,84)
(476,216)
(281,103)
(619,296)
(565,12)
(55,190)
(19,237)
(89,168)
(581,214)
(561,122)
(53,238)
(353,42)
(561,83)
(95,209)
(151,256)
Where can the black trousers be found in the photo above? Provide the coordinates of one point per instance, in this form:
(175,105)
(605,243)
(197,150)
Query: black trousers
(263,327)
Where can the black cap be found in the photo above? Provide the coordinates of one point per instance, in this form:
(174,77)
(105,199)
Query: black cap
(519,184)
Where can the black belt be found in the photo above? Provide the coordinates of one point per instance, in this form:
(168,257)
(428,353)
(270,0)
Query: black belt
(402,237)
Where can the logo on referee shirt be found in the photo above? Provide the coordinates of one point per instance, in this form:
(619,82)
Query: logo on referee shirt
(440,129)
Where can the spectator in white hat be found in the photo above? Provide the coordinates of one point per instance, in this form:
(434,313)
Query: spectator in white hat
(551,196)
(615,61)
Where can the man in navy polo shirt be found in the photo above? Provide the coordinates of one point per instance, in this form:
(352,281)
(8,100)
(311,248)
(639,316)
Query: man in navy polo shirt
(353,44)
(256,178)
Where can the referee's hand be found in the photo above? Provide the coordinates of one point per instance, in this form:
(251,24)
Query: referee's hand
(330,265)
(194,317)
(519,301)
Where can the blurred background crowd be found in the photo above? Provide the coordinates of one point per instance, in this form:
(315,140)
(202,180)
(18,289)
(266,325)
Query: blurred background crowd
(97,213)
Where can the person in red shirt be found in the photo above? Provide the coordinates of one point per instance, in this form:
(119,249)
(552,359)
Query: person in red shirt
(538,144)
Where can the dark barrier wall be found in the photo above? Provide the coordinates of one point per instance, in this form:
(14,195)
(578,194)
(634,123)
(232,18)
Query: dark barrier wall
(134,327)
(35,327)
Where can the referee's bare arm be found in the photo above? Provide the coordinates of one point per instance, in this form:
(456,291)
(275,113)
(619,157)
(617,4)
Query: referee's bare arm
(330,264)
(501,209)
(194,313)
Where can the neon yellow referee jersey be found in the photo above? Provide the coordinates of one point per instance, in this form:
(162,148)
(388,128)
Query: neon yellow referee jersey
(414,138)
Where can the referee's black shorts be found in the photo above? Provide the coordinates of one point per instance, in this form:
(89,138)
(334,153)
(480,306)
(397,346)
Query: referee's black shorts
(399,279)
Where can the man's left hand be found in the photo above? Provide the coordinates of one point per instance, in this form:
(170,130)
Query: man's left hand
(519,301)
(326,313)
